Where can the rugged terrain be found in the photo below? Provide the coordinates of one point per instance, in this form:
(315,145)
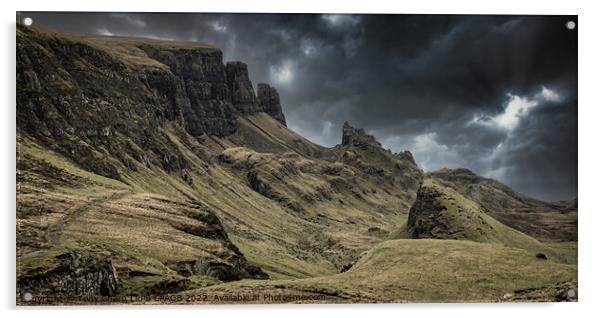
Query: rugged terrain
(149,167)
(542,220)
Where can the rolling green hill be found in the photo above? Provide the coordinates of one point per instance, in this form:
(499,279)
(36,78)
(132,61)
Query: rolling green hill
(550,221)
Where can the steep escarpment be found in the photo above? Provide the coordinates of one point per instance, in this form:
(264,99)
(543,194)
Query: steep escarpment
(147,167)
(210,94)
(89,112)
(88,102)
(243,95)
(269,102)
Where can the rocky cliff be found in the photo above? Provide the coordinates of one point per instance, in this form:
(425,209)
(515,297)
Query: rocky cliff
(269,102)
(78,94)
(162,161)
(147,167)
(68,274)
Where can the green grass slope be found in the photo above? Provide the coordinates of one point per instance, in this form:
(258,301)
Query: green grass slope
(440,212)
(429,271)
(549,221)
(317,216)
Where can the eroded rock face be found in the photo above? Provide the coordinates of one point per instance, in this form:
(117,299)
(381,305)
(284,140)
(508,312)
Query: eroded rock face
(228,268)
(241,89)
(227,272)
(198,86)
(81,100)
(71,274)
(407,155)
(364,152)
(269,102)
(227,265)
(423,217)
(357,137)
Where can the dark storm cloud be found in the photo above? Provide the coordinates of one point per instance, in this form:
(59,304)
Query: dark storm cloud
(458,91)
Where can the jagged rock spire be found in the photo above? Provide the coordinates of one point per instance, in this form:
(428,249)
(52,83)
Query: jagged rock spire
(356,136)
(269,102)
(241,88)
(243,96)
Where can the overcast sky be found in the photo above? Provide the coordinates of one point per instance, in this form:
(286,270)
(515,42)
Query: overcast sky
(495,94)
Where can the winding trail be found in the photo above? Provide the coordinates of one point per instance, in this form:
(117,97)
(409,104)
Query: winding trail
(53,233)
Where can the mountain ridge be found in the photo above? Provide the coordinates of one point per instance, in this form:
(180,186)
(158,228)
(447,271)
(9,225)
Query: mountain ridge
(160,163)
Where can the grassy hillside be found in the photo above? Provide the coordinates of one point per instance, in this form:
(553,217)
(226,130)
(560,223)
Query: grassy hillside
(142,233)
(456,217)
(137,174)
(429,271)
(309,224)
(550,221)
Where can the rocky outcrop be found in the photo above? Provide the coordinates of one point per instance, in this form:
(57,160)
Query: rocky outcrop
(364,152)
(243,96)
(228,265)
(357,137)
(407,155)
(70,274)
(201,105)
(208,93)
(440,212)
(226,269)
(542,220)
(227,272)
(424,214)
(241,89)
(269,102)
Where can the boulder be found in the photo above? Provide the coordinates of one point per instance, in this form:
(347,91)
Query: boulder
(69,273)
